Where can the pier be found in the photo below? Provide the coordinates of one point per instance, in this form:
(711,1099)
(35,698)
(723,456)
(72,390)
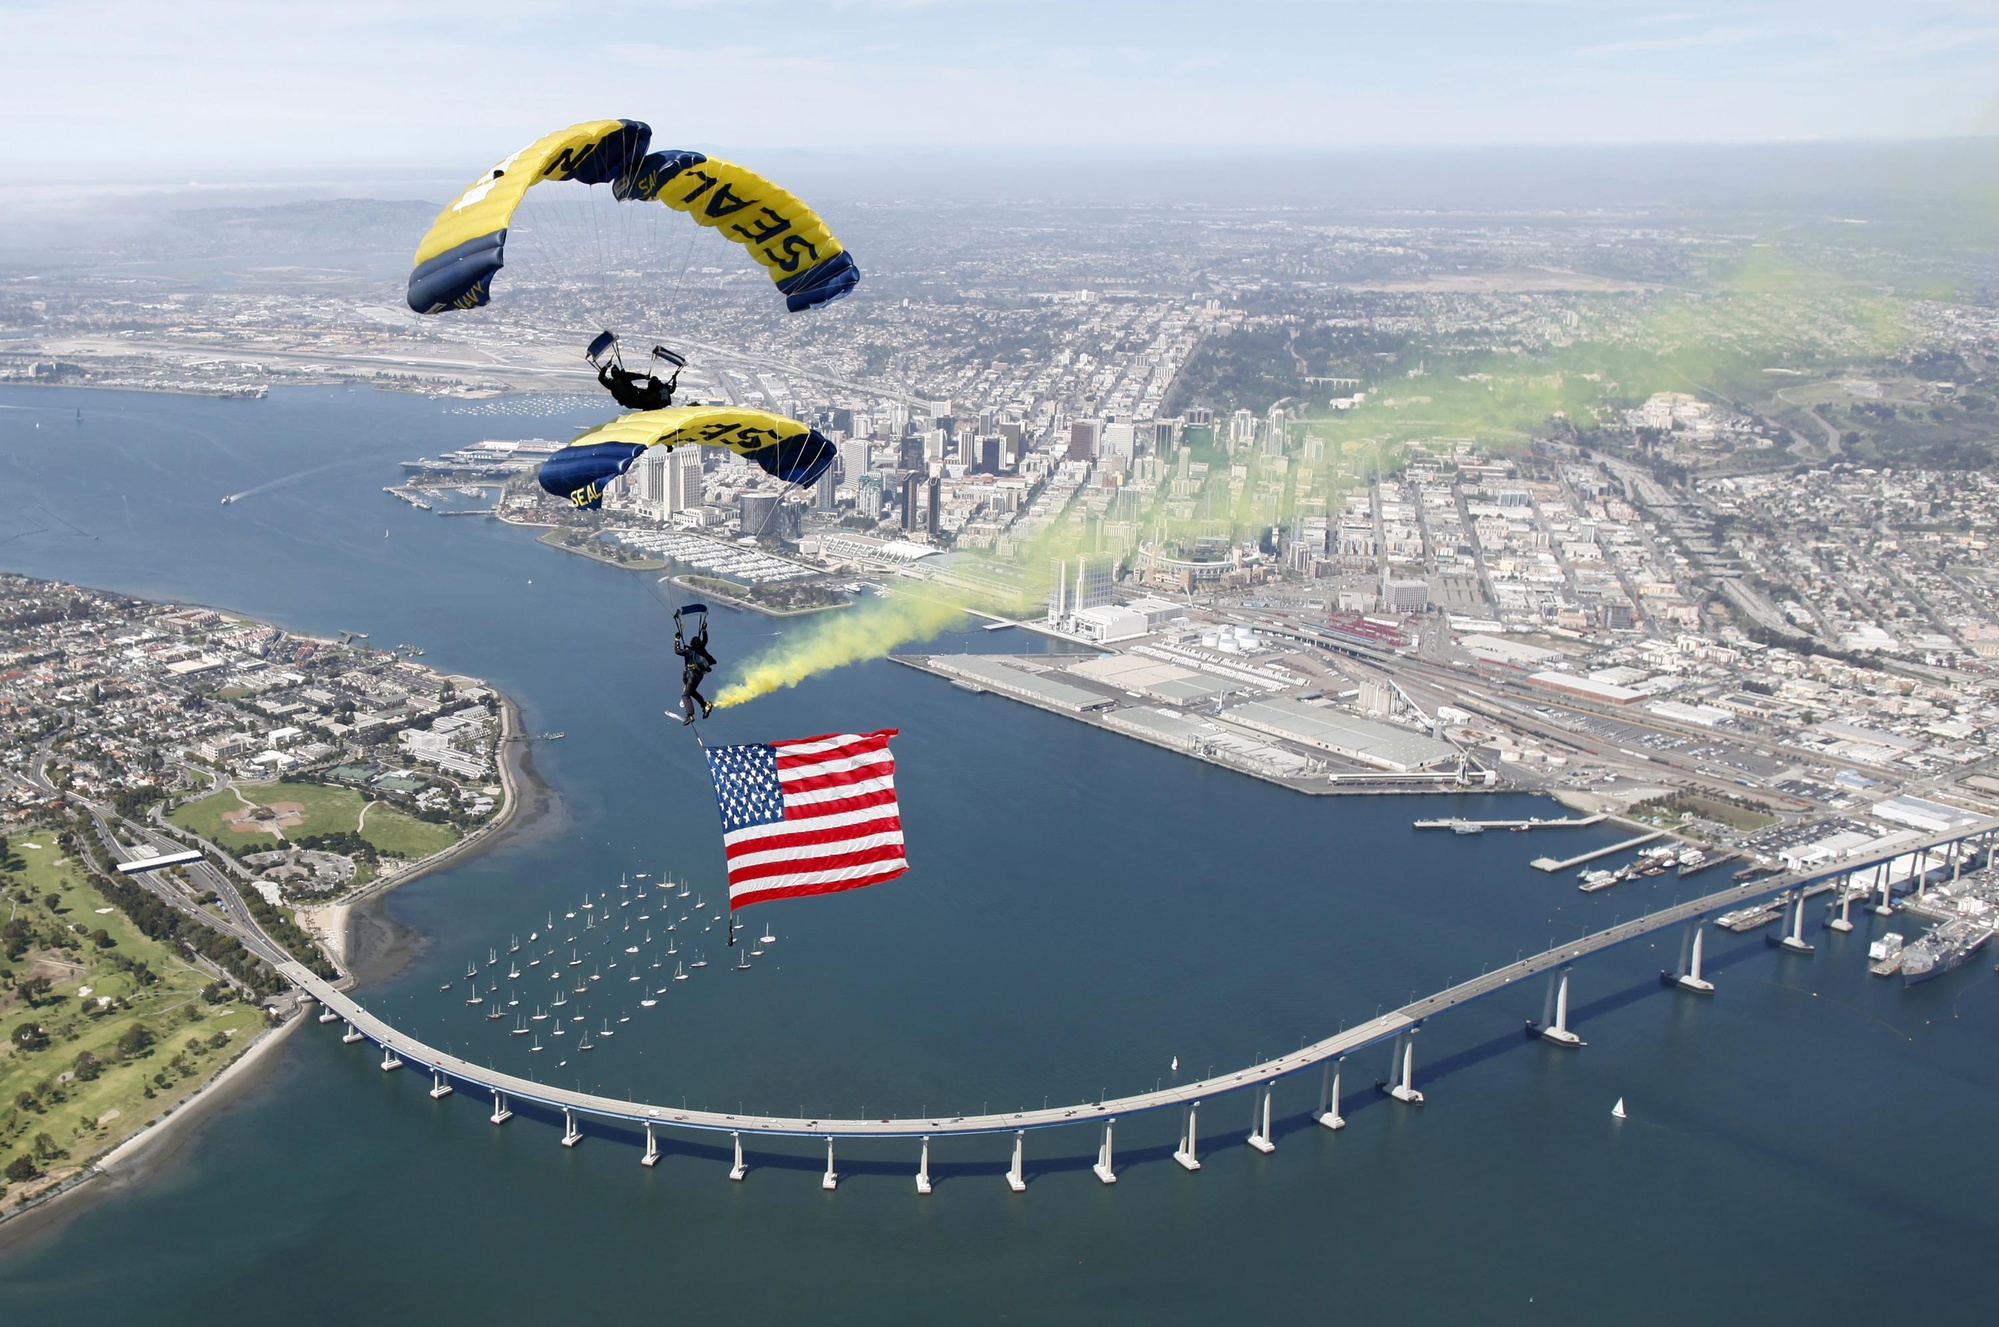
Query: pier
(1398,1027)
(1550,864)
(1535,823)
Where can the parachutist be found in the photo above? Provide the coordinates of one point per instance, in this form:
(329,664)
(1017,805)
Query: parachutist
(632,389)
(695,664)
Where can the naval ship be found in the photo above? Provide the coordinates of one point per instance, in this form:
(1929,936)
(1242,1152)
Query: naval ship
(1942,950)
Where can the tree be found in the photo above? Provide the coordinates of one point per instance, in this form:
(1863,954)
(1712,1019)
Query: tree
(30,1037)
(138,1039)
(86,1067)
(22,1168)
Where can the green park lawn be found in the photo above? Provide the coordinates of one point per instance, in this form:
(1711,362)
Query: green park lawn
(190,1037)
(327,809)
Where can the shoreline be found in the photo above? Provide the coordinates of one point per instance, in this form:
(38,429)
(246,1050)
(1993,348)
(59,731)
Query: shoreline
(135,1159)
(751,606)
(388,946)
(334,926)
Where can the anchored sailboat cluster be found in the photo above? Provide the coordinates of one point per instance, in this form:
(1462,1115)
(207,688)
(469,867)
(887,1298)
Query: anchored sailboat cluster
(637,954)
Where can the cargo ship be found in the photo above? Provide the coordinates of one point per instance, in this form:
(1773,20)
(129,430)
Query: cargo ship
(1942,950)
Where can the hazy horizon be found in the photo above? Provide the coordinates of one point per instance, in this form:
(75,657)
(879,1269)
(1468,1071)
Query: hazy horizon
(211,85)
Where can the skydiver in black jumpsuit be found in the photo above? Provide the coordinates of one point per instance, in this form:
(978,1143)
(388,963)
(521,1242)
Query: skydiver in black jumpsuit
(695,665)
(634,390)
(637,391)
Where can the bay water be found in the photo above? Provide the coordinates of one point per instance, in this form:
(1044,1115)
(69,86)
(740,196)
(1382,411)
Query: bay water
(1082,910)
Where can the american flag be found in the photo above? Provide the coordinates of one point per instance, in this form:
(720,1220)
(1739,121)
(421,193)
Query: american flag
(808,817)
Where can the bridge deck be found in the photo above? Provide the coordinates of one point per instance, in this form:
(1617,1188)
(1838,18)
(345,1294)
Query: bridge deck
(1376,1030)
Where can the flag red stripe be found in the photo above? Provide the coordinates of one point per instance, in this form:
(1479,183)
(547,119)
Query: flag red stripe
(879,797)
(808,751)
(806,891)
(806,838)
(805,865)
(838,779)
(844,758)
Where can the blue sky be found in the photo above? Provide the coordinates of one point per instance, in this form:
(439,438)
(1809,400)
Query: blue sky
(358,83)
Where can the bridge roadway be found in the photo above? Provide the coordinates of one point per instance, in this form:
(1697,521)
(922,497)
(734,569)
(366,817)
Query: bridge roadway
(1383,1028)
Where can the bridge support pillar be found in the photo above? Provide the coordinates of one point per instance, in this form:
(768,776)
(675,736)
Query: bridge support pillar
(651,1158)
(1794,939)
(1328,1113)
(1259,1123)
(1016,1178)
(352,1034)
(326,1014)
(1184,1154)
(1555,1021)
(1844,922)
(571,1135)
(1402,1071)
(737,1171)
(923,1169)
(1690,978)
(1104,1166)
(1883,908)
(439,1089)
(390,1060)
(500,1112)
(830,1180)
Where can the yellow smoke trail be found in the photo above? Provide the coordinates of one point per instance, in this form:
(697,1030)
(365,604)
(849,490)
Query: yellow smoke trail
(833,640)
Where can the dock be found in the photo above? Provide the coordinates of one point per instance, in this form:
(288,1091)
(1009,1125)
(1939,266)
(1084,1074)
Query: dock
(1534,823)
(1550,864)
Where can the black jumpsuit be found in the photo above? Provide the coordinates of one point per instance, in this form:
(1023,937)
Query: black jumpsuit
(695,665)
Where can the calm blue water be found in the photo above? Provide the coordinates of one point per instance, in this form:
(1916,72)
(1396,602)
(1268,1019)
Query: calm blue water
(1082,909)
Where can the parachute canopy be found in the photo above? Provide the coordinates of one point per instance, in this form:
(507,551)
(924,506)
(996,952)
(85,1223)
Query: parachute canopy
(466,245)
(794,452)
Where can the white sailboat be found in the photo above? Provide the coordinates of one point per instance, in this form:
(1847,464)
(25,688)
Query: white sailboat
(648,1002)
(742,962)
(699,960)
(523,1029)
(679,972)
(1617,1111)
(537,1044)
(540,1016)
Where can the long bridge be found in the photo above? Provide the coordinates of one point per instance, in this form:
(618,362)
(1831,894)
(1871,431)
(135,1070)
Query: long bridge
(1399,1026)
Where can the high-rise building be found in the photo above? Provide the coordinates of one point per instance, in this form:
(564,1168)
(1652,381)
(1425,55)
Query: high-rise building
(757,513)
(1242,429)
(1117,440)
(986,455)
(912,484)
(868,496)
(826,491)
(667,481)
(1083,436)
(933,515)
(855,459)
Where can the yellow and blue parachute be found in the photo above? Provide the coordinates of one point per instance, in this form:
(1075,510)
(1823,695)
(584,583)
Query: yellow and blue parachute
(466,245)
(794,452)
